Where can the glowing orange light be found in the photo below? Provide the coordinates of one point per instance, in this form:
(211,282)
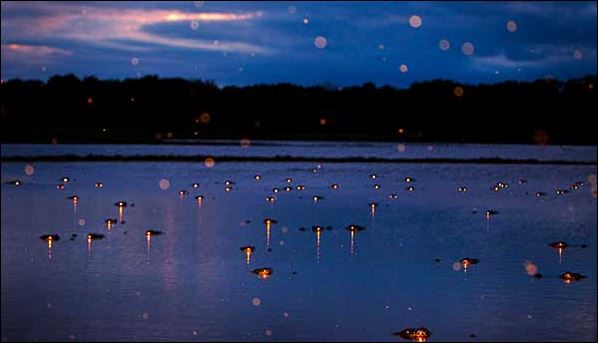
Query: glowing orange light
(247,256)
(205,117)
(263,273)
(209,162)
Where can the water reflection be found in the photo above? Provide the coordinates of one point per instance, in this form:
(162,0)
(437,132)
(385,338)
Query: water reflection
(268,223)
(318,231)
(373,207)
(248,250)
(110,223)
(352,233)
(559,246)
(148,245)
(352,230)
(50,248)
(89,248)
(121,205)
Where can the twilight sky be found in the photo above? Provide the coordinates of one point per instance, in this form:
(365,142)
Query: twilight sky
(332,43)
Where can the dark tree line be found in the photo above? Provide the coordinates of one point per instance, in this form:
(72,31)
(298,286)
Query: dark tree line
(151,109)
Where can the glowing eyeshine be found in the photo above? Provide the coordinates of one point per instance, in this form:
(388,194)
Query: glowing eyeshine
(263,273)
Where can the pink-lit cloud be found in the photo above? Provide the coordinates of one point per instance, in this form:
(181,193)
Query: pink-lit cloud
(123,29)
(9,50)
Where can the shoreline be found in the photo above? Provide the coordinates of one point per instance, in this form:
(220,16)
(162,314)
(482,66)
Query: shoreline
(278,159)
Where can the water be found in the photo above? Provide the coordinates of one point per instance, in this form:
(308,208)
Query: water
(193,283)
(313,149)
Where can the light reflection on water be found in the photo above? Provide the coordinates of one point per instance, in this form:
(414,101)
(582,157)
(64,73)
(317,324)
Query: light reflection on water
(191,283)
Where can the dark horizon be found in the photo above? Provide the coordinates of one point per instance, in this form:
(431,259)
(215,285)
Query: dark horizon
(324,85)
(155,110)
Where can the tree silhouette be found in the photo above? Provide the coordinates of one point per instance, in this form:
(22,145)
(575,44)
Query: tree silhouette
(151,109)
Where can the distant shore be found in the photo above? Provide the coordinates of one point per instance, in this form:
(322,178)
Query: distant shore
(150,110)
(179,158)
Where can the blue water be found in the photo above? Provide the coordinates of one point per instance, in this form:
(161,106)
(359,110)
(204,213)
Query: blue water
(193,283)
(313,149)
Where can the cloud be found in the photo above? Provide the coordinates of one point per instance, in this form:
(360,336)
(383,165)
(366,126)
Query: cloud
(122,29)
(9,50)
(503,61)
(546,56)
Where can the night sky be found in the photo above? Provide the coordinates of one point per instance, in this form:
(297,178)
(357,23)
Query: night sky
(325,43)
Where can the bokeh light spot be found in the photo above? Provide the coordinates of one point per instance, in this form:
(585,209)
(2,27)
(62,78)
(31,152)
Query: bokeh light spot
(468,48)
(511,26)
(415,21)
(530,268)
(205,117)
(29,170)
(164,184)
(245,142)
(444,45)
(321,42)
(209,162)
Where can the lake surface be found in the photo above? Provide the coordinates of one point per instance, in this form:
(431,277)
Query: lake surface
(193,283)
